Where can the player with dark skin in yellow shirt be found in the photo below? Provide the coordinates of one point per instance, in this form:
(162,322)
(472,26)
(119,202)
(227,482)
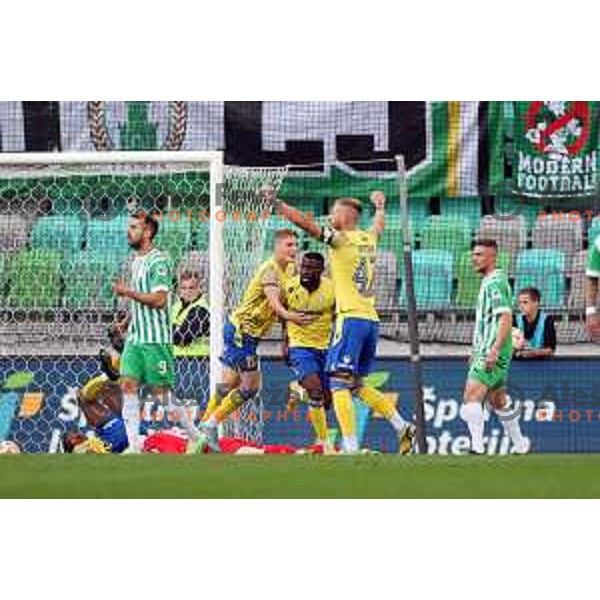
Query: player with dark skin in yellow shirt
(351,353)
(305,347)
(263,302)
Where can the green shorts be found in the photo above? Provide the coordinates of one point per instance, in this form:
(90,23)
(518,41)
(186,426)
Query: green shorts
(494,379)
(151,364)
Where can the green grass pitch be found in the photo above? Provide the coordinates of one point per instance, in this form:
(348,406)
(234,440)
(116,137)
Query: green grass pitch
(377,476)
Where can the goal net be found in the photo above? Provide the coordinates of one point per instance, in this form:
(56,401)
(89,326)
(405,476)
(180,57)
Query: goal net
(63,238)
(243,230)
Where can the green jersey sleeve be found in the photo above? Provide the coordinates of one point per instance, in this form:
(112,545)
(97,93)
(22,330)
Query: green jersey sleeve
(593,260)
(500,295)
(160,276)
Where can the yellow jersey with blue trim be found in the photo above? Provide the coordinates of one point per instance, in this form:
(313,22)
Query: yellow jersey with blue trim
(254,316)
(319,304)
(352,255)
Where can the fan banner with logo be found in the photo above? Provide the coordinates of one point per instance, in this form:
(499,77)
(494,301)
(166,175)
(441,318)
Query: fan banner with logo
(556,148)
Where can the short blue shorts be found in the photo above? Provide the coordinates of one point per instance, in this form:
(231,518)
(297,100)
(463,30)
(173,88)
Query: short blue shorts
(239,349)
(113,434)
(306,361)
(353,346)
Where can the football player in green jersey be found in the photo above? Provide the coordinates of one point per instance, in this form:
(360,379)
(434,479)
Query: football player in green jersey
(491,352)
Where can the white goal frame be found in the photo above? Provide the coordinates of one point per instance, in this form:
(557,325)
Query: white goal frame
(209,161)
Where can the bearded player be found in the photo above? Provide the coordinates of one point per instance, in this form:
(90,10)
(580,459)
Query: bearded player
(305,349)
(351,354)
(148,353)
(262,303)
(492,351)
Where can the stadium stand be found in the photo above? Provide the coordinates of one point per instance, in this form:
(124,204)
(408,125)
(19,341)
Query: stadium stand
(62,233)
(563,235)
(35,279)
(14,232)
(447,233)
(545,270)
(433,273)
(468,209)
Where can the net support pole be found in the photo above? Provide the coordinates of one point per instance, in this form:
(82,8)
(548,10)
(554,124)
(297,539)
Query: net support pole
(216,270)
(416,366)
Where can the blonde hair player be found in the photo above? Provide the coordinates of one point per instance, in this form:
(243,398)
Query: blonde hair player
(262,303)
(351,354)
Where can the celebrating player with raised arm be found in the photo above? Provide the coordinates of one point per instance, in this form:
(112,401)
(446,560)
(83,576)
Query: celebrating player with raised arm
(492,351)
(351,354)
(311,293)
(261,304)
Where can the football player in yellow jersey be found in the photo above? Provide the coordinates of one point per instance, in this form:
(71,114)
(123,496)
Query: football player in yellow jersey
(306,346)
(351,354)
(261,305)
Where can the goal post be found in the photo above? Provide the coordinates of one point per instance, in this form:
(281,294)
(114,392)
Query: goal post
(242,228)
(63,238)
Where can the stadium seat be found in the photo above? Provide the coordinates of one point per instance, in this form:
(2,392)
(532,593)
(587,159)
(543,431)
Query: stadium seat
(432,274)
(174,238)
(201,235)
(109,237)
(418,213)
(469,281)
(545,270)
(462,208)
(510,235)
(577,292)
(88,281)
(593,231)
(529,210)
(35,280)
(14,232)
(564,235)
(386,281)
(62,233)
(441,233)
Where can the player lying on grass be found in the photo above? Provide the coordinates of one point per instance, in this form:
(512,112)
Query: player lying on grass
(492,351)
(305,346)
(101,402)
(261,305)
(351,354)
(230,445)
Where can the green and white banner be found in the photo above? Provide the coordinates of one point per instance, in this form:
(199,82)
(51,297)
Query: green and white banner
(556,146)
(451,149)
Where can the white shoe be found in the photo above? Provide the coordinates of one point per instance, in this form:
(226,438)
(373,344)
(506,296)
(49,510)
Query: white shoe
(523,448)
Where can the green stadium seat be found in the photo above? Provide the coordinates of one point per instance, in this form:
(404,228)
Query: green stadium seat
(593,231)
(418,213)
(201,235)
(35,279)
(432,274)
(62,233)
(174,238)
(108,237)
(441,233)
(545,270)
(88,281)
(468,209)
(469,281)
